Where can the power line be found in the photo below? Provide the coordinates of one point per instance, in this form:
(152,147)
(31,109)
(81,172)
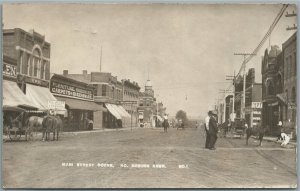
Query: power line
(271,28)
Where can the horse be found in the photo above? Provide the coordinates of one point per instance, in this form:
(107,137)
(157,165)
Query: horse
(256,131)
(33,123)
(165,125)
(51,124)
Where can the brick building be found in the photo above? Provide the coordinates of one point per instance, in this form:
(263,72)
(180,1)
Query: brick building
(32,55)
(130,91)
(147,106)
(272,88)
(108,93)
(289,54)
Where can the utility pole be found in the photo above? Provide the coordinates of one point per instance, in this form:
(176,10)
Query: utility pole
(100,58)
(244,82)
(233,97)
(291,15)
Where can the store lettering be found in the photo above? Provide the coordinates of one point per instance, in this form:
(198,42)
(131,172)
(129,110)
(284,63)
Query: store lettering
(256,105)
(9,70)
(71,91)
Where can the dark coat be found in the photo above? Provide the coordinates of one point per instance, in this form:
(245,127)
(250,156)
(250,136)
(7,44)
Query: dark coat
(213,126)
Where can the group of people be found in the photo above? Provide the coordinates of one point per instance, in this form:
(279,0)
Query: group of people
(211,129)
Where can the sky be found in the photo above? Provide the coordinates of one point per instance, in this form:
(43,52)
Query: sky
(186,50)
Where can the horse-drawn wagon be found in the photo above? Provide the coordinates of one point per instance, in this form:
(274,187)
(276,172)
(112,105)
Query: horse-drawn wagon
(238,127)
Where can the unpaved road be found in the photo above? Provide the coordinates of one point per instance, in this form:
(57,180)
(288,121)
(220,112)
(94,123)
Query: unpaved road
(180,154)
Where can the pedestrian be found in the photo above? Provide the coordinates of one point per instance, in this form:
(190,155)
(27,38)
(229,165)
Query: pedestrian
(213,131)
(279,129)
(166,123)
(206,127)
(285,139)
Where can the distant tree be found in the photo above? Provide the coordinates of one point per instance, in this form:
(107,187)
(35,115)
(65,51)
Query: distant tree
(181,115)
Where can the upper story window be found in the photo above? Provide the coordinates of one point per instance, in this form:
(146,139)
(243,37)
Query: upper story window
(104,88)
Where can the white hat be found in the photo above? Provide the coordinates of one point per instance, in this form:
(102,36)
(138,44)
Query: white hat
(280,123)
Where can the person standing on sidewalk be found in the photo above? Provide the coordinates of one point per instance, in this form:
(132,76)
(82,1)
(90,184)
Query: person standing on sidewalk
(206,127)
(213,131)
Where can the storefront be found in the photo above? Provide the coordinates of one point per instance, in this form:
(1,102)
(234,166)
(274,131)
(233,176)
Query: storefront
(15,103)
(79,102)
(253,114)
(117,116)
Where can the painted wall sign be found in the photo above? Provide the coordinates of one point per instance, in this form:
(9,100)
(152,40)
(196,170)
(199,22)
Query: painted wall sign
(9,70)
(70,91)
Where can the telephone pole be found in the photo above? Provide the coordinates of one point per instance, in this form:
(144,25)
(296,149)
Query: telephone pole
(291,15)
(244,82)
(233,97)
(100,58)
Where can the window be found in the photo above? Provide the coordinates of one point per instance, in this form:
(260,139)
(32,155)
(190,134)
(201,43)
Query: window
(104,90)
(286,107)
(21,62)
(36,63)
(28,64)
(295,64)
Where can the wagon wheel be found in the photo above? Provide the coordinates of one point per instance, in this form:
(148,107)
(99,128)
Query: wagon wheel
(14,134)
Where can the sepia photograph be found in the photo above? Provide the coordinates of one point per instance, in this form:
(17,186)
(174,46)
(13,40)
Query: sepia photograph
(149,95)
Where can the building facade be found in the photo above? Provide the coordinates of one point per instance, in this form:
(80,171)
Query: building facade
(130,100)
(108,93)
(32,54)
(289,54)
(147,106)
(79,102)
(272,89)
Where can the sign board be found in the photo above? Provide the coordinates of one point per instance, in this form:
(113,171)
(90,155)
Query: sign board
(256,105)
(9,70)
(70,91)
(56,104)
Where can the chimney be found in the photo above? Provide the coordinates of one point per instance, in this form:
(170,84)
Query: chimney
(84,72)
(65,72)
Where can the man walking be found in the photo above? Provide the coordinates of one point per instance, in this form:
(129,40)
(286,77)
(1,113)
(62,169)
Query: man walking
(206,127)
(213,131)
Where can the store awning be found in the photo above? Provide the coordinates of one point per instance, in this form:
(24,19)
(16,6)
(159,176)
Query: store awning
(13,97)
(113,110)
(124,112)
(40,96)
(81,105)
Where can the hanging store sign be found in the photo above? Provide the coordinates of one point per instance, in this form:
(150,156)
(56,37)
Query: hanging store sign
(56,104)
(70,91)
(257,105)
(9,70)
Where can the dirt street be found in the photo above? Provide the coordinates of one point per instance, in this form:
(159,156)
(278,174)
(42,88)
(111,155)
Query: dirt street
(147,158)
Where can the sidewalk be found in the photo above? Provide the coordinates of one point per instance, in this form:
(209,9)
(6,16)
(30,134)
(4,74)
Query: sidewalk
(74,133)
